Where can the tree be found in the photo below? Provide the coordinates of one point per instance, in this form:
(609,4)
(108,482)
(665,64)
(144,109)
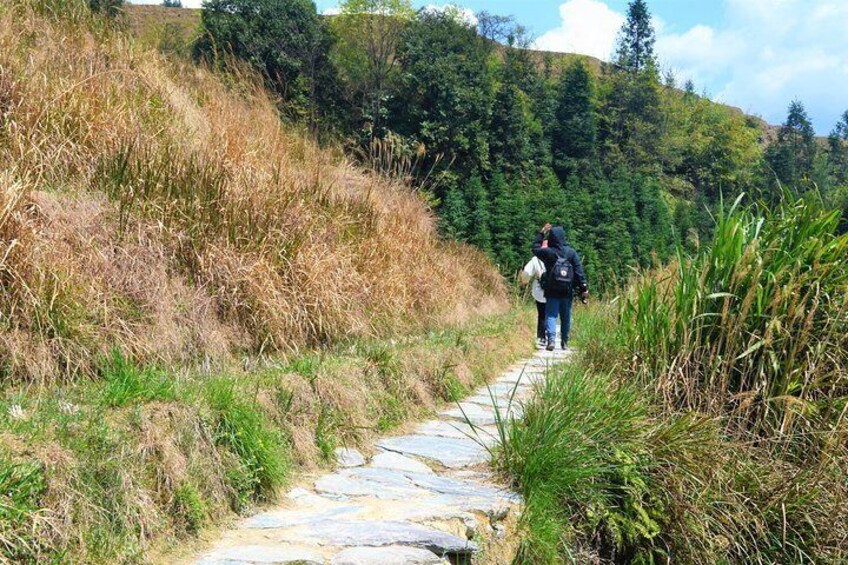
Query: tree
(369,32)
(635,50)
(574,132)
(837,143)
(454,214)
(503,29)
(282,39)
(792,156)
(172,4)
(689,90)
(444,98)
(479,233)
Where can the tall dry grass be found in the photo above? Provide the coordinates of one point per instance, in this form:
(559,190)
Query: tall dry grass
(155,206)
(754,325)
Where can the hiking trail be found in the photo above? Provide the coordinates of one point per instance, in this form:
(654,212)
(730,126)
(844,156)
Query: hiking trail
(424,498)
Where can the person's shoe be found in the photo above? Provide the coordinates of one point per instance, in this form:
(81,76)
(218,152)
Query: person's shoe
(550,346)
(540,342)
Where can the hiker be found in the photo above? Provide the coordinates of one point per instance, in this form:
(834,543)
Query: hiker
(564,274)
(533,272)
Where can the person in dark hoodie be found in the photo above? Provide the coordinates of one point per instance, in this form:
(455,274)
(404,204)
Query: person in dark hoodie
(563,275)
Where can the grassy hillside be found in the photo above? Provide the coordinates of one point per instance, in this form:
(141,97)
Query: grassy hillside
(147,205)
(197,300)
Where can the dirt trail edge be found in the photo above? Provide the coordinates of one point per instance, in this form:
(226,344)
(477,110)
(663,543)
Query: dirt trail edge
(423,498)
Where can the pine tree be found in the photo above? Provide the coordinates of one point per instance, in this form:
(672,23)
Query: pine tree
(689,90)
(838,150)
(635,51)
(479,216)
(574,133)
(454,214)
(792,156)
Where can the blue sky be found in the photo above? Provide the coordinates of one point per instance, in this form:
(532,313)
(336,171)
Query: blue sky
(754,54)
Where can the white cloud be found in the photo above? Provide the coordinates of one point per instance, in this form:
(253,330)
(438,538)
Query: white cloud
(767,53)
(587,26)
(332,11)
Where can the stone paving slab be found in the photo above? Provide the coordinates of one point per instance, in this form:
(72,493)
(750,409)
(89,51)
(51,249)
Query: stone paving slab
(396,555)
(421,498)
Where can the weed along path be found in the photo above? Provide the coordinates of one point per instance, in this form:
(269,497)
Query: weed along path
(423,498)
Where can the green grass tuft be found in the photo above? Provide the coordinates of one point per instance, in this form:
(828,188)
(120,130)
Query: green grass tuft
(260,449)
(125,382)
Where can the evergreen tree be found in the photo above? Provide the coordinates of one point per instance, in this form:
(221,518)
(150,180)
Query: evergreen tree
(509,130)
(837,143)
(479,216)
(508,223)
(689,90)
(454,214)
(635,49)
(574,133)
(792,156)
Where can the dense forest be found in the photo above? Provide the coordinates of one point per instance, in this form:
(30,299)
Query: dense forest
(505,138)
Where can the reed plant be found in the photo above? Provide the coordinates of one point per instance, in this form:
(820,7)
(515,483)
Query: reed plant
(755,325)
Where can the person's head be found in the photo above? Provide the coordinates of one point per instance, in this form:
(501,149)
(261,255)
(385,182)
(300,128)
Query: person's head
(556,237)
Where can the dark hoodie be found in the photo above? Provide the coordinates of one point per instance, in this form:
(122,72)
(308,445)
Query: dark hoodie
(558,248)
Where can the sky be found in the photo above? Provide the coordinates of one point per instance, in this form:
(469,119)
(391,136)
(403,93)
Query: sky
(758,55)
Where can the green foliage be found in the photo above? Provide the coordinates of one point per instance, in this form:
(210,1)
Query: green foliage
(368,33)
(109,8)
(574,133)
(284,40)
(21,487)
(172,3)
(445,94)
(635,49)
(759,314)
(262,462)
(582,457)
(126,383)
(189,508)
(505,142)
(792,157)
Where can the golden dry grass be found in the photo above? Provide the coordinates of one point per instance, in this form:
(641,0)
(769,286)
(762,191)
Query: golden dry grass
(149,204)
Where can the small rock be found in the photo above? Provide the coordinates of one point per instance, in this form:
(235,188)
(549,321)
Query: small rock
(395,555)
(349,457)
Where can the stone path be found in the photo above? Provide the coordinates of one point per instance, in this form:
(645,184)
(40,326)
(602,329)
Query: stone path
(423,498)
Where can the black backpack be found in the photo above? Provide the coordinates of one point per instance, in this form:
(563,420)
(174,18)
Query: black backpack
(561,277)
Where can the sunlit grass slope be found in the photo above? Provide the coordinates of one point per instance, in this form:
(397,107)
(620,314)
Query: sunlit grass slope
(150,205)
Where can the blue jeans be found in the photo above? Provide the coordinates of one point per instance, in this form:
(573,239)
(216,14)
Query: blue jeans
(558,307)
